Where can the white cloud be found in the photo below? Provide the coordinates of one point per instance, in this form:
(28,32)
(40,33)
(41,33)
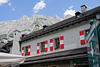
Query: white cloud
(70,7)
(40,5)
(13,8)
(3,1)
(9,4)
(69,11)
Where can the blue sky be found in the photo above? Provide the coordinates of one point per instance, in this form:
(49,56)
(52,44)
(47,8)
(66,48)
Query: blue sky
(15,9)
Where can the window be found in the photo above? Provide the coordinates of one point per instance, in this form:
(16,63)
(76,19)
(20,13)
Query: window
(57,43)
(83,35)
(42,46)
(26,50)
(86,32)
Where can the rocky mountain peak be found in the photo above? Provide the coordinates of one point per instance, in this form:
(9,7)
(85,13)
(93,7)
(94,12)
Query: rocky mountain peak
(67,16)
(27,25)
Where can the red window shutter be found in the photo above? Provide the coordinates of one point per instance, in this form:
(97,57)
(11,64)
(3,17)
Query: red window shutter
(51,44)
(82,37)
(46,48)
(22,51)
(61,42)
(29,46)
(28,53)
(38,51)
(22,48)
(29,50)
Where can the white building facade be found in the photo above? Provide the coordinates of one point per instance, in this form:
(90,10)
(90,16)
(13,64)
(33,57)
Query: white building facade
(60,44)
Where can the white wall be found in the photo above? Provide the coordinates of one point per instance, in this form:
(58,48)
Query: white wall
(71,38)
(16,46)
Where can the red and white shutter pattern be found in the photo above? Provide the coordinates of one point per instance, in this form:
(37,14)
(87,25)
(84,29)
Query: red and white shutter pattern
(22,51)
(82,37)
(51,44)
(61,42)
(38,51)
(46,48)
(29,49)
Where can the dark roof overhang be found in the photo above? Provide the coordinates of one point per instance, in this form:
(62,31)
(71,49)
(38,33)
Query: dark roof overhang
(6,47)
(65,23)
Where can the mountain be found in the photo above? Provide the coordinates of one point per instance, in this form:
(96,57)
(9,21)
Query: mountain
(5,26)
(67,16)
(27,25)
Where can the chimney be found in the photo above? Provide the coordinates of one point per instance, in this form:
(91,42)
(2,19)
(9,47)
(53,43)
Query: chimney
(83,8)
(45,26)
(36,27)
(77,14)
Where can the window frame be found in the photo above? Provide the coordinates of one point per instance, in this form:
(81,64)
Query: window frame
(55,46)
(41,48)
(85,33)
(26,52)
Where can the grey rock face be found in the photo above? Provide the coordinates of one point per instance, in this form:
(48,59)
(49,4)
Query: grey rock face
(25,22)
(27,25)
(67,16)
